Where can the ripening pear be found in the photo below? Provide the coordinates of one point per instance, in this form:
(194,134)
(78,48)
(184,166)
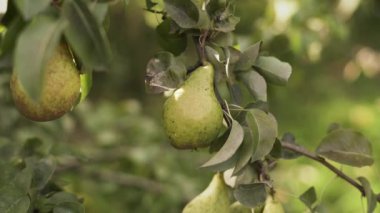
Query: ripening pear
(214,199)
(192,114)
(237,207)
(273,206)
(59,90)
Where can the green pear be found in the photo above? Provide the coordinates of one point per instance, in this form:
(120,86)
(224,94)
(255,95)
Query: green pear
(60,89)
(214,199)
(192,114)
(273,206)
(237,207)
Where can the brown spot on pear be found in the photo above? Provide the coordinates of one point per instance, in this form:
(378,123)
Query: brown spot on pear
(60,89)
(192,114)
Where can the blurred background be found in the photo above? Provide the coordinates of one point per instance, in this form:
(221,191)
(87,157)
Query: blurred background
(111,149)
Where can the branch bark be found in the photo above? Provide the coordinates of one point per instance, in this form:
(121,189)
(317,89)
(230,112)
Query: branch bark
(301,150)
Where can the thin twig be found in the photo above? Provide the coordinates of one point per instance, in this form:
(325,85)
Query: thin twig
(301,150)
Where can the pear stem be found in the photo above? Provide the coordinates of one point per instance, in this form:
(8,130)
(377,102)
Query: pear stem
(201,46)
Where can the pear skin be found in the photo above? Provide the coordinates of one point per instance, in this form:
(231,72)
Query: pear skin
(239,208)
(192,114)
(273,206)
(59,92)
(214,199)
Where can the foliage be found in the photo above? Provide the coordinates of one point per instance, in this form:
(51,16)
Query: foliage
(103,145)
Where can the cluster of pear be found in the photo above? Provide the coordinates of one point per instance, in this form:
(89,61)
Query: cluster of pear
(60,88)
(216,199)
(192,114)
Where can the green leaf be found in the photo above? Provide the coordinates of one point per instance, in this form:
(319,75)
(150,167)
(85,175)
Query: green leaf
(164,72)
(32,146)
(255,83)
(99,11)
(150,4)
(223,39)
(42,172)
(184,12)
(287,154)
(87,38)
(246,150)
(276,151)
(18,205)
(227,25)
(85,85)
(248,57)
(346,147)
(309,197)
(11,35)
(69,208)
(264,127)
(370,195)
(30,8)
(232,144)
(251,195)
(169,40)
(39,40)
(273,70)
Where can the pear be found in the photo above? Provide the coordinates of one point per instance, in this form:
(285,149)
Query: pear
(214,199)
(273,206)
(59,90)
(192,114)
(237,207)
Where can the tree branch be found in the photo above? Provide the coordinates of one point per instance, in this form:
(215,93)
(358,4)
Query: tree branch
(301,150)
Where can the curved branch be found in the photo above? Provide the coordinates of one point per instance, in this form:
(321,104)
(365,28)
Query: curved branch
(301,150)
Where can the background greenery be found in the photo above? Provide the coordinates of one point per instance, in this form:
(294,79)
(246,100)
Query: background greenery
(111,149)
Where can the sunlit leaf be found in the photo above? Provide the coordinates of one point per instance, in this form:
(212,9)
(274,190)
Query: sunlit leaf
(273,70)
(251,195)
(85,85)
(232,144)
(38,39)
(346,147)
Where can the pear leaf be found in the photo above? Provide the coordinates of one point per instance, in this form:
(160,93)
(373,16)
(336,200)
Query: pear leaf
(42,34)
(346,147)
(248,57)
(309,197)
(232,144)
(370,195)
(30,8)
(246,150)
(251,195)
(88,40)
(264,127)
(184,12)
(255,83)
(164,73)
(273,70)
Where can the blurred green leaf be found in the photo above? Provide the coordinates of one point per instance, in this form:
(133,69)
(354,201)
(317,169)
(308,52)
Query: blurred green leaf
(264,128)
(255,83)
(251,195)
(309,197)
(11,35)
(273,70)
(99,11)
(164,72)
(248,57)
(17,205)
(30,8)
(230,147)
(169,40)
(346,147)
(42,172)
(85,85)
(184,12)
(287,154)
(69,208)
(39,40)
(370,195)
(150,4)
(87,38)
(276,151)
(223,39)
